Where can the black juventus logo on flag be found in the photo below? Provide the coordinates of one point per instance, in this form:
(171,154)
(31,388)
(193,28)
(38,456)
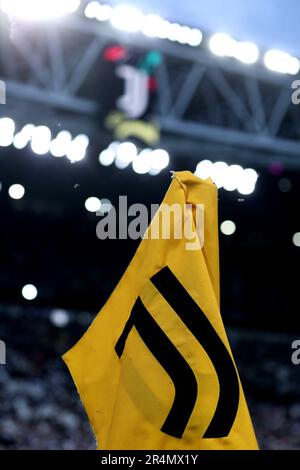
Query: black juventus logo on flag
(176,366)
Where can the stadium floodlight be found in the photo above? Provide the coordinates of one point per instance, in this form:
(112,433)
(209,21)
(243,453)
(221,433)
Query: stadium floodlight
(279,61)
(174,32)
(130,19)
(246,52)
(95,10)
(154,26)
(224,46)
(127,18)
(194,36)
(38,9)
(91,10)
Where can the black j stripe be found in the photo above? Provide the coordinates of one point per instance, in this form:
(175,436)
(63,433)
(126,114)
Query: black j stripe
(171,360)
(120,345)
(196,321)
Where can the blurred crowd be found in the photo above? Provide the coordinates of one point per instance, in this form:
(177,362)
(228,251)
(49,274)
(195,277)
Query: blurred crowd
(40,408)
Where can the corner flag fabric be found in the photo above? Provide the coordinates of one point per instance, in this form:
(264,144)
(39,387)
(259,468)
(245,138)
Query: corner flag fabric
(155,370)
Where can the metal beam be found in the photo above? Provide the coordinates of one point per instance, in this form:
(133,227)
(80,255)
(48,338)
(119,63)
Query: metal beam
(57,60)
(188,89)
(84,65)
(255,103)
(279,111)
(230,137)
(33,60)
(50,98)
(217,151)
(164,90)
(233,100)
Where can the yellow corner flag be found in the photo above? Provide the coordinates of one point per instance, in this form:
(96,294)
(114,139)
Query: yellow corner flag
(155,370)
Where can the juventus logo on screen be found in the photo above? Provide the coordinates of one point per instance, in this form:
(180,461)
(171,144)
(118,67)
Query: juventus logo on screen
(177,367)
(135,99)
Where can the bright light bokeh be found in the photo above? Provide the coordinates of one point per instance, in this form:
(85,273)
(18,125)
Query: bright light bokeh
(246,52)
(29,292)
(228,227)
(296,239)
(218,173)
(107,157)
(281,62)
(221,44)
(204,169)
(22,138)
(154,26)
(159,159)
(142,163)
(91,10)
(41,140)
(59,318)
(20,141)
(154,172)
(174,32)
(77,148)
(7,129)
(232,177)
(126,152)
(127,18)
(224,46)
(130,19)
(247,181)
(194,37)
(95,10)
(92,204)
(39,9)
(104,12)
(229,177)
(16,191)
(59,146)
